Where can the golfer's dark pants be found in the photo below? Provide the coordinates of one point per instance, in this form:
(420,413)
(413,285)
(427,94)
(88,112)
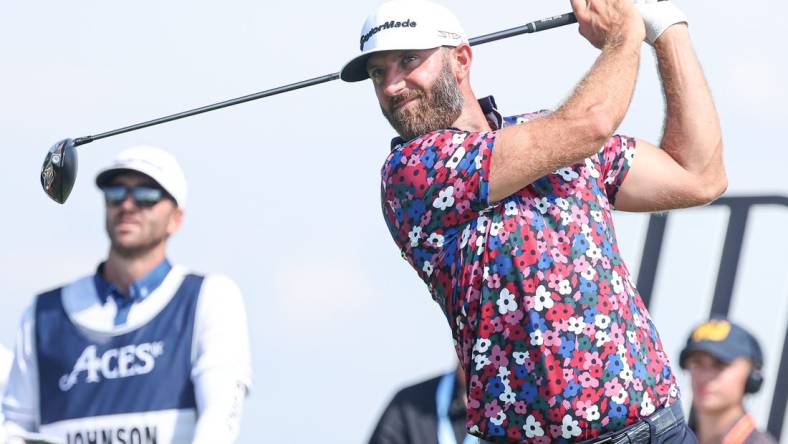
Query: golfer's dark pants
(665,426)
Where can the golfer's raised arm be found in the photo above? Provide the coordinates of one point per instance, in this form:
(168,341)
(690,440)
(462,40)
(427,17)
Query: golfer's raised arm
(577,129)
(689,169)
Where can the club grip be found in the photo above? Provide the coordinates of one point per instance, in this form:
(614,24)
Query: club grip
(554,22)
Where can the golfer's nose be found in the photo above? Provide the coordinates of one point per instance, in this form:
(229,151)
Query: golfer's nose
(394,82)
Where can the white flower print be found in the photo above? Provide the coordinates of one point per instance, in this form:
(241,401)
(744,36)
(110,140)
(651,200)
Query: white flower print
(589,274)
(592,171)
(626,374)
(601,337)
(481,361)
(427,268)
(562,203)
(496,228)
(602,321)
(481,224)
(456,158)
(593,252)
(510,209)
(565,287)
(414,235)
(482,345)
(566,173)
(620,397)
(617,283)
(569,428)
(532,427)
(507,397)
(592,413)
(466,234)
(647,407)
(576,324)
(506,302)
(520,357)
(566,218)
(629,152)
(586,230)
(480,244)
(445,198)
(542,204)
(458,138)
(596,215)
(536,337)
(542,299)
(499,418)
(436,240)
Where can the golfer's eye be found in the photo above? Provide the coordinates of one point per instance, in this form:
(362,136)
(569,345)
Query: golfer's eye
(375,73)
(408,59)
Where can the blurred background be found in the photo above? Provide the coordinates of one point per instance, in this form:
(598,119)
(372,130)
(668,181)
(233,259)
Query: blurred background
(284,192)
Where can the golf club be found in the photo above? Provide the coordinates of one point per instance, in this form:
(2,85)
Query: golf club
(59,171)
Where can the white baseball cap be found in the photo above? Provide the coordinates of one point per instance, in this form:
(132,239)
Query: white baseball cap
(403,24)
(153,162)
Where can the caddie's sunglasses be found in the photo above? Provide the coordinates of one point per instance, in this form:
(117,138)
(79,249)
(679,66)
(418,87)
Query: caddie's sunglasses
(143,195)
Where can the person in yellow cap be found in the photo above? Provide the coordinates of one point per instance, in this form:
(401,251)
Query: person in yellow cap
(724,361)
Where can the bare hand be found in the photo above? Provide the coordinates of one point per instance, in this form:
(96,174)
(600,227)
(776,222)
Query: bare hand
(609,22)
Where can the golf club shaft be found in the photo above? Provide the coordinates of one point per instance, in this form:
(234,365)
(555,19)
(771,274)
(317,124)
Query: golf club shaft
(539,25)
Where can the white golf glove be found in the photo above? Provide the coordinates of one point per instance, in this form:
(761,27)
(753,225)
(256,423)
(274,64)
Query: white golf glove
(659,16)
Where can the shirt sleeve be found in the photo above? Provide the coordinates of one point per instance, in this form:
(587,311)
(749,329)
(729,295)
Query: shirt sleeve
(221,370)
(433,184)
(20,401)
(615,160)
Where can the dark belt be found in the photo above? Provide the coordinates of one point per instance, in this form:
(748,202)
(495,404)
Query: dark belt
(660,422)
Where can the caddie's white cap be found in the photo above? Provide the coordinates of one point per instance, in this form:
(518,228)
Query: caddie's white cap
(153,162)
(403,24)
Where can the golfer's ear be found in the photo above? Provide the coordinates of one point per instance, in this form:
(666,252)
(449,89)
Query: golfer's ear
(462,56)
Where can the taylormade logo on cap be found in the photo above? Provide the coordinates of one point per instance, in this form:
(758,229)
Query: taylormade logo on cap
(387,25)
(403,25)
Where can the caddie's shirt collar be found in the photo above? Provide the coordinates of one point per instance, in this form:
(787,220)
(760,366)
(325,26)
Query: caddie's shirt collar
(489,109)
(138,290)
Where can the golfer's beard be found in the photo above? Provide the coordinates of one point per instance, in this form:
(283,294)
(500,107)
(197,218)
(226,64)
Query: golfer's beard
(437,111)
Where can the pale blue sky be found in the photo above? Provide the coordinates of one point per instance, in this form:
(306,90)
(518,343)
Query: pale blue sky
(284,191)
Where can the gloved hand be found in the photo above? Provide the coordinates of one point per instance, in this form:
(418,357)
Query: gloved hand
(659,16)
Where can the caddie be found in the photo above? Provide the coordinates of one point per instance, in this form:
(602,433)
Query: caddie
(142,350)
(508,220)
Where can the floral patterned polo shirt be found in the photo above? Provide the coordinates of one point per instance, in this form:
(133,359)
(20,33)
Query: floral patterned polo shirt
(555,341)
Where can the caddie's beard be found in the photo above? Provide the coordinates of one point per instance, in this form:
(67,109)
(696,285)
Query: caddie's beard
(434,111)
(151,235)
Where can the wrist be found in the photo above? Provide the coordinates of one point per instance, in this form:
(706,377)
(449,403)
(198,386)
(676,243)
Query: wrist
(624,42)
(675,34)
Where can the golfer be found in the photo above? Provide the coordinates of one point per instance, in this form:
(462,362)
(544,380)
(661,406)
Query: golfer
(142,350)
(508,220)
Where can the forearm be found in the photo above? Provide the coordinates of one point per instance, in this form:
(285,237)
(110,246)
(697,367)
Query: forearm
(576,130)
(606,91)
(692,134)
(219,404)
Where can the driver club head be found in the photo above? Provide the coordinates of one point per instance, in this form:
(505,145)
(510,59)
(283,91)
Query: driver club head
(59,170)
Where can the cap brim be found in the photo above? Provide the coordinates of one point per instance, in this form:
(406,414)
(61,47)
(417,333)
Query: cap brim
(356,69)
(724,354)
(105,177)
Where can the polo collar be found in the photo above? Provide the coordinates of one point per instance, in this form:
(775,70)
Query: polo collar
(489,109)
(138,290)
